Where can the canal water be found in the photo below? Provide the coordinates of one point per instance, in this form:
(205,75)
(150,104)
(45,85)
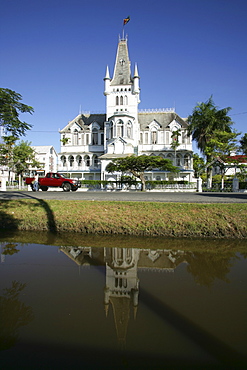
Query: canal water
(97,303)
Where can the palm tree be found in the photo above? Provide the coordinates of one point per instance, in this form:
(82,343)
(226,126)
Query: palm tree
(205,122)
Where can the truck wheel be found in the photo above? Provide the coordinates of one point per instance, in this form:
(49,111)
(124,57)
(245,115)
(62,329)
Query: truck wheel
(44,188)
(66,186)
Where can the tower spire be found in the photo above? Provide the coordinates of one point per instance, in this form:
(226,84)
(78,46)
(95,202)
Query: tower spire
(122,75)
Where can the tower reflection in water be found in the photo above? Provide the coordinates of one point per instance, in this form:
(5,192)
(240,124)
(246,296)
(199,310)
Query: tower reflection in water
(122,283)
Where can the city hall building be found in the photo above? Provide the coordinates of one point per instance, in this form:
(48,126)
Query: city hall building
(90,141)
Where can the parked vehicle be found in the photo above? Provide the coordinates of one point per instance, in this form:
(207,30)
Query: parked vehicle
(54,180)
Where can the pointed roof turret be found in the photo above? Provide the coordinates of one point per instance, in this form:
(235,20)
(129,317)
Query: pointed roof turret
(122,75)
(107,73)
(136,74)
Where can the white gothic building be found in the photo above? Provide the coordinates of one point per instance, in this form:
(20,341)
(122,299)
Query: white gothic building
(90,141)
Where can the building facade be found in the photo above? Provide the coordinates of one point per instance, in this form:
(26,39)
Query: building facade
(47,156)
(90,141)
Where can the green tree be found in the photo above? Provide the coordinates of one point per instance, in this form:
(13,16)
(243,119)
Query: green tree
(10,109)
(24,158)
(14,314)
(137,165)
(198,165)
(205,124)
(6,152)
(175,142)
(175,139)
(243,144)
(222,143)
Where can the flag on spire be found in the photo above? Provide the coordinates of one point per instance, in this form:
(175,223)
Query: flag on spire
(126,20)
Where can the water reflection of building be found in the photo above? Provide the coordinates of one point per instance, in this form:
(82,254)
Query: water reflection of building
(122,283)
(2,255)
(122,286)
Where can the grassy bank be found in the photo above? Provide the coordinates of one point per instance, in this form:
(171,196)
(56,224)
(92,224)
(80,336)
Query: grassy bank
(129,218)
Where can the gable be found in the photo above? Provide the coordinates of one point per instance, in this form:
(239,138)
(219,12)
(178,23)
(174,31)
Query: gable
(162,118)
(154,125)
(174,125)
(83,121)
(94,125)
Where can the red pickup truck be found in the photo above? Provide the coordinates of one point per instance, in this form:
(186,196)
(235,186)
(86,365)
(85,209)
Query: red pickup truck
(54,180)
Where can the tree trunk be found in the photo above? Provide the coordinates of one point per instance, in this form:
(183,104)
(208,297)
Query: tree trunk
(222,182)
(209,173)
(143,185)
(209,178)
(143,181)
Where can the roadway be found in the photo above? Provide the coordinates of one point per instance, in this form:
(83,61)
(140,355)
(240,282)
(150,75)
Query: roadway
(133,196)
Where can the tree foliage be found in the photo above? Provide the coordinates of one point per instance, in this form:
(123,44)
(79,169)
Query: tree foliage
(198,165)
(137,165)
(222,143)
(10,109)
(243,144)
(175,139)
(205,120)
(17,157)
(211,128)
(24,157)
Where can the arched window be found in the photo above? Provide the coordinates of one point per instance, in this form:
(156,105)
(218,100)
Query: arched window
(141,138)
(79,160)
(111,130)
(117,100)
(146,137)
(184,137)
(95,136)
(167,137)
(154,137)
(178,160)
(95,161)
(87,160)
(63,160)
(120,127)
(126,100)
(121,100)
(187,159)
(75,137)
(129,130)
(71,160)
(170,156)
(119,256)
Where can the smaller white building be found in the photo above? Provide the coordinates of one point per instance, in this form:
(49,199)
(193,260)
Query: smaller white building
(230,166)
(46,155)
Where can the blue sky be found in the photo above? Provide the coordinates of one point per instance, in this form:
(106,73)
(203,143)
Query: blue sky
(54,53)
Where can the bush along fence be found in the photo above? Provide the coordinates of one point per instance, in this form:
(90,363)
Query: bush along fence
(135,185)
(232,185)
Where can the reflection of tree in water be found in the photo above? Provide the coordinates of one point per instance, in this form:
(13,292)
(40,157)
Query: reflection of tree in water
(10,249)
(13,314)
(244,255)
(206,267)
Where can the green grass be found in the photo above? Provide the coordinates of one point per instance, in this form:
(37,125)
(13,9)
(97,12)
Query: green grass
(126,218)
